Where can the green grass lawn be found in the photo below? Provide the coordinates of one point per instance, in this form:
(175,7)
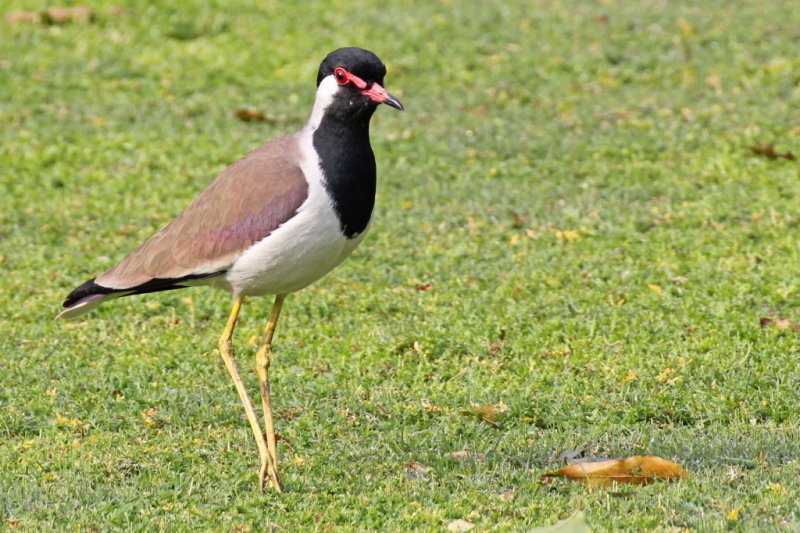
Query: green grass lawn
(573,179)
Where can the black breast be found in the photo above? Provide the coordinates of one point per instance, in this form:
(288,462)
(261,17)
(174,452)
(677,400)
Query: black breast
(348,166)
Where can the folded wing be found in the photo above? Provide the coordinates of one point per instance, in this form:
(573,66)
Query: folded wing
(243,205)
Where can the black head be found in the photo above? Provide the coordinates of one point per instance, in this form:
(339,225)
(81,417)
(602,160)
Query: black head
(359,75)
(358,61)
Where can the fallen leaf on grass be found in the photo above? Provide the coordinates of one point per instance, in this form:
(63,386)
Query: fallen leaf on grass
(460,525)
(497,346)
(430,408)
(487,413)
(64,15)
(416,470)
(424,287)
(733,516)
(151,419)
(281,438)
(664,375)
(656,289)
(72,423)
(768,150)
(637,470)
(466,454)
(249,114)
(780,323)
(732,473)
(568,235)
(506,495)
(761,459)
(630,376)
(574,524)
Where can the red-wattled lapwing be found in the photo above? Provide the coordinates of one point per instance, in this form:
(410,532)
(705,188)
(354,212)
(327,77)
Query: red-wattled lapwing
(274,222)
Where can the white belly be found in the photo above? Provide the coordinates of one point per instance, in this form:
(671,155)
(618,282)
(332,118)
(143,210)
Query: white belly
(296,254)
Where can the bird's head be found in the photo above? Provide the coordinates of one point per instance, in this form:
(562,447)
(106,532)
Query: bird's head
(350,82)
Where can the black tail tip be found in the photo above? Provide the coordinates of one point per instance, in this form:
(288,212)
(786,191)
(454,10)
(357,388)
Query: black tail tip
(89,288)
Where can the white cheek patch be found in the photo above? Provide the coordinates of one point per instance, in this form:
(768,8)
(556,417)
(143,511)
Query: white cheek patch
(325,92)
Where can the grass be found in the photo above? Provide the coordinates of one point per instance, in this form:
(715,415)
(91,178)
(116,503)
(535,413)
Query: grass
(574,181)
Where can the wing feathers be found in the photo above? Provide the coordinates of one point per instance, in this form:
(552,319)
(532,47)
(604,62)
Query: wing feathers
(243,205)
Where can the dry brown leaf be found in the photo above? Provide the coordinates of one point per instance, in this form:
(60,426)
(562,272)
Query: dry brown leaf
(487,413)
(732,473)
(506,495)
(291,413)
(466,454)
(64,15)
(281,438)
(637,470)
(416,470)
(497,346)
(416,467)
(768,150)
(424,287)
(460,525)
(780,323)
(249,114)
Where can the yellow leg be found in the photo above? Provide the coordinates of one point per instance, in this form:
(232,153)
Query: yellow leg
(262,367)
(226,350)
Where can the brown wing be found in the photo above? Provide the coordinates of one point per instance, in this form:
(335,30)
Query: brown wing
(243,205)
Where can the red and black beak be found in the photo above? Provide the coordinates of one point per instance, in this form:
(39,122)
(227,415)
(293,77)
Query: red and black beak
(380,95)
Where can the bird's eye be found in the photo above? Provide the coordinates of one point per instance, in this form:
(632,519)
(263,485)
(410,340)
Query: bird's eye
(341,75)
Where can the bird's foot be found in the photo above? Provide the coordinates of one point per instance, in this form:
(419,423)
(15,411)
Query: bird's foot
(267,472)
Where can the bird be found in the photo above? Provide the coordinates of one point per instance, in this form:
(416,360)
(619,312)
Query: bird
(272,223)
